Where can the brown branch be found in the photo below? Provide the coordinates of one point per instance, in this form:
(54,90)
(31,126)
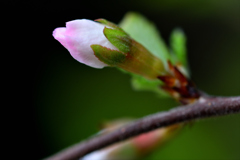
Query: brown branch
(205,107)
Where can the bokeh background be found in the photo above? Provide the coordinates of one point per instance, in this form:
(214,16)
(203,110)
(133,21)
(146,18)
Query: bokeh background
(69,100)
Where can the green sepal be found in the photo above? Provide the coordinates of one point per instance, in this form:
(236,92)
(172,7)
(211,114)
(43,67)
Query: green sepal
(119,39)
(146,33)
(107,23)
(108,56)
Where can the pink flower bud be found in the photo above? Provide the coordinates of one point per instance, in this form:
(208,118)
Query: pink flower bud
(133,148)
(78,36)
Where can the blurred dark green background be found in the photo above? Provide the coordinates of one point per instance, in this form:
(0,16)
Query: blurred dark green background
(71,100)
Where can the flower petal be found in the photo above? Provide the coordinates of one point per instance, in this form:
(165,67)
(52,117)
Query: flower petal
(58,34)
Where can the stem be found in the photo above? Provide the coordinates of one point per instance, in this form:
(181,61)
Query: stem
(205,107)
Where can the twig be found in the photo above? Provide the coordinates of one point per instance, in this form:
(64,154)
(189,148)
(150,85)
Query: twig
(205,107)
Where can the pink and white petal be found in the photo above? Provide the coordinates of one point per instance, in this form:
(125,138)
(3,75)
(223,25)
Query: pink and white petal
(88,32)
(83,53)
(59,34)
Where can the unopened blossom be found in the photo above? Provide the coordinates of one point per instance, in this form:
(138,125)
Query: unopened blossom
(102,43)
(78,36)
(135,147)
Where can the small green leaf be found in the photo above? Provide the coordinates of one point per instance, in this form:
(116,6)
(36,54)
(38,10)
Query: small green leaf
(139,83)
(108,56)
(118,38)
(145,32)
(142,84)
(178,47)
